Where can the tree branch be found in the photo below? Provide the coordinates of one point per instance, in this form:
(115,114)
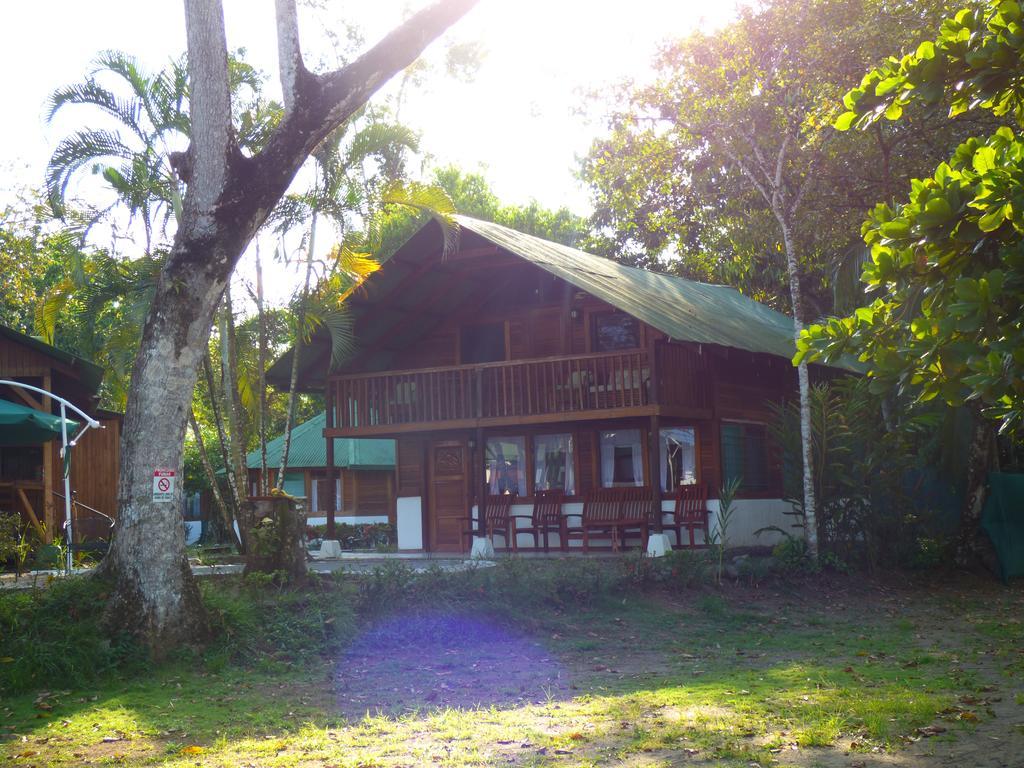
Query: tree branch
(747,171)
(780,161)
(289,53)
(350,86)
(209,106)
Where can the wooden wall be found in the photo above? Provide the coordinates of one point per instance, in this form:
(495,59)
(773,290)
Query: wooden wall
(95,460)
(535,325)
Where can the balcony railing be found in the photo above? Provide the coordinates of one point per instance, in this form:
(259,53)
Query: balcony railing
(511,389)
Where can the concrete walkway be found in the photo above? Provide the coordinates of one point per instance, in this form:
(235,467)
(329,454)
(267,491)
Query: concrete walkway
(350,562)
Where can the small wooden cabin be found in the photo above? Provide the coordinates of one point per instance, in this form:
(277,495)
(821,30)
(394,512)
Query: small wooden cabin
(516,364)
(31,482)
(364,487)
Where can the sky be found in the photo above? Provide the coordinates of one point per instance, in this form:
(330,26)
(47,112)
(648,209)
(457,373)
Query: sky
(517,120)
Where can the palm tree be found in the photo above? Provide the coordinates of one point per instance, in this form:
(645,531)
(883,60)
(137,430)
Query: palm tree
(133,156)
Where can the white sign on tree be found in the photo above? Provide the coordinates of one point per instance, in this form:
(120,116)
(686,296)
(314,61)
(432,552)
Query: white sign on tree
(163,485)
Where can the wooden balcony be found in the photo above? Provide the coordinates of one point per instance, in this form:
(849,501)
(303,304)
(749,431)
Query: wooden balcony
(529,391)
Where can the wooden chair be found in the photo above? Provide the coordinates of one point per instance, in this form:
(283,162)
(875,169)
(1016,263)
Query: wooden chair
(497,519)
(614,512)
(546,518)
(690,513)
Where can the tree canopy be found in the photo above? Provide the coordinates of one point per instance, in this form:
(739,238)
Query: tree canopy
(946,271)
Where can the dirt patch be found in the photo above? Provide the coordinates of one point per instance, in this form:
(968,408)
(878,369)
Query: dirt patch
(422,662)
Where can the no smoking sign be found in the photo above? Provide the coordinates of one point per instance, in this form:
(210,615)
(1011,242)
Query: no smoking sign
(163,485)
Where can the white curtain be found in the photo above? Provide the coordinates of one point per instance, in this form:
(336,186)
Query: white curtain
(506,465)
(623,438)
(682,442)
(553,462)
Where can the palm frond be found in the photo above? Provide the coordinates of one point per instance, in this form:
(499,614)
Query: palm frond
(127,111)
(75,151)
(430,199)
(49,308)
(382,140)
(340,326)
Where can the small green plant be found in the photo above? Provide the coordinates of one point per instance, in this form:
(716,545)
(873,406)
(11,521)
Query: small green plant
(16,542)
(686,568)
(791,551)
(720,535)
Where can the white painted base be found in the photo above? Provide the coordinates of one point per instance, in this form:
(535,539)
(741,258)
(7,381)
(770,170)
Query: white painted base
(483,549)
(410,522)
(350,519)
(329,550)
(658,545)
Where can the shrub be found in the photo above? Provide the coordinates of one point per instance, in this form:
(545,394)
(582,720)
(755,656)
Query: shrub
(511,585)
(254,620)
(54,636)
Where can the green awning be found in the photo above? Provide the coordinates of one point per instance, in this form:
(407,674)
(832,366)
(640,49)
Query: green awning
(20,425)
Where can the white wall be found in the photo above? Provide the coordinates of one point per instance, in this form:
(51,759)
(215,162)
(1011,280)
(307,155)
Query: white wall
(193,530)
(410,522)
(350,519)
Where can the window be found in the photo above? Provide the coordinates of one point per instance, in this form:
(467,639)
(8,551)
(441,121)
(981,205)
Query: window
(553,463)
(614,330)
(505,465)
(322,494)
(295,484)
(482,343)
(21,463)
(678,458)
(622,458)
(745,455)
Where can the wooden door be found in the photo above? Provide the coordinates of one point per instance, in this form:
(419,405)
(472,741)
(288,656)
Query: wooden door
(449,495)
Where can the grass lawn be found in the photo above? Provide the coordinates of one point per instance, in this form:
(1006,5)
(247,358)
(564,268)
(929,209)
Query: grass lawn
(830,671)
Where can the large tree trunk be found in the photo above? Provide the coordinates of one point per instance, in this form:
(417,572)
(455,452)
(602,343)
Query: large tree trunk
(228,197)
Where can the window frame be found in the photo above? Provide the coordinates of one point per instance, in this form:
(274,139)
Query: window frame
(573,456)
(697,467)
(592,319)
(460,356)
(644,438)
(770,487)
(526,456)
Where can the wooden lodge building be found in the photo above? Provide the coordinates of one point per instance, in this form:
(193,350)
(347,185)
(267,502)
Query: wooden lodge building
(31,478)
(515,365)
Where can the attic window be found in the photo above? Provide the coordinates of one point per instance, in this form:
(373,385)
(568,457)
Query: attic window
(615,330)
(482,343)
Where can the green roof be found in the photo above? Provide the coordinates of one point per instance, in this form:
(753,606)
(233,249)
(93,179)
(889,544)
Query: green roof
(309,449)
(685,310)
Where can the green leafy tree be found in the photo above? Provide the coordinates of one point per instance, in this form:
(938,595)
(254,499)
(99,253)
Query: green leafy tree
(946,269)
(729,164)
(666,195)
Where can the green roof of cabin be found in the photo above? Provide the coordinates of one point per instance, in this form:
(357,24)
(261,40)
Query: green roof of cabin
(685,310)
(309,449)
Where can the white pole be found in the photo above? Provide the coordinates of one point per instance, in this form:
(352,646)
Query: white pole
(69,535)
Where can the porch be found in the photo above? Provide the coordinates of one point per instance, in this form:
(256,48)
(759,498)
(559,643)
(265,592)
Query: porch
(664,379)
